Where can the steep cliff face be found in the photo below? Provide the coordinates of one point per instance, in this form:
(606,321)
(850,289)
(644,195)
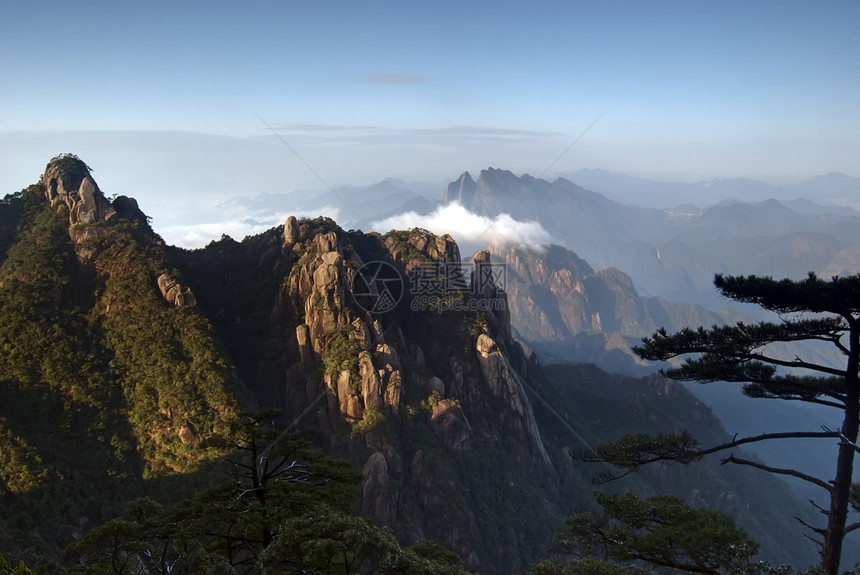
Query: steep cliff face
(414,367)
(555,295)
(400,355)
(564,309)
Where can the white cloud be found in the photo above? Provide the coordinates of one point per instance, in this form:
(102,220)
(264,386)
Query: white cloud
(468,228)
(237,227)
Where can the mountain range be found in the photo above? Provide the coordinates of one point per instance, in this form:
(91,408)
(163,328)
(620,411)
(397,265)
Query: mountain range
(672,254)
(833,193)
(622,267)
(670,238)
(127,362)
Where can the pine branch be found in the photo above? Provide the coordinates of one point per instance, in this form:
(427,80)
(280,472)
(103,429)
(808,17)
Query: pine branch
(823,402)
(818,530)
(633,451)
(797,364)
(780,471)
(768,436)
(839,296)
(844,440)
(821,510)
(608,476)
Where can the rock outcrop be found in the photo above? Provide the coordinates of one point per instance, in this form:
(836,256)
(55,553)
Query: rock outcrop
(69,187)
(69,181)
(411,249)
(291,231)
(174,292)
(379,371)
(362,371)
(507,385)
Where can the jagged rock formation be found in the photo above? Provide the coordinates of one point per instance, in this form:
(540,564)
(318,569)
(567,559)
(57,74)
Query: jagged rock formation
(508,386)
(411,372)
(67,182)
(413,248)
(559,304)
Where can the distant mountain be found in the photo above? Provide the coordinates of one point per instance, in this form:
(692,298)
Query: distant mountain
(566,311)
(835,188)
(830,192)
(675,253)
(582,220)
(357,206)
(656,194)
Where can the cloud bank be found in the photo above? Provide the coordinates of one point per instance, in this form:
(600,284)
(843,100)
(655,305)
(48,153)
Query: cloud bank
(468,228)
(237,226)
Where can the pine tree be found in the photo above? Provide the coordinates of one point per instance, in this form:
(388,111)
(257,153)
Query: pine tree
(810,310)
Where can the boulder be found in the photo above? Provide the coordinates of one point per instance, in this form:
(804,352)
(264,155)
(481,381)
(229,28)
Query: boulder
(174,292)
(291,231)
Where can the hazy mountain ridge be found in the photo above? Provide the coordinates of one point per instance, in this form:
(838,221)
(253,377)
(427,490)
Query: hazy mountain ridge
(667,254)
(670,253)
(444,411)
(563,308)
(837,193)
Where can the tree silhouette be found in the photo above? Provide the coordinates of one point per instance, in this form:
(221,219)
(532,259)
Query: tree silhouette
(810,310)
(286,509)
(661,531)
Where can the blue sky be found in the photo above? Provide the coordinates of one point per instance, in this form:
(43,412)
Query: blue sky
(175,103)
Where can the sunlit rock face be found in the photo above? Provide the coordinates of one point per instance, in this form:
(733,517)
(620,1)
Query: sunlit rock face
(382,376)
(68,185)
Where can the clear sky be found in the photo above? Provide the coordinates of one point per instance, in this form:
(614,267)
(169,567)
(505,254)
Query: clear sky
(178,103)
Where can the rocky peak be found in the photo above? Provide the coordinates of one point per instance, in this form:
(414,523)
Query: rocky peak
(458,371)
(461,191)
(411,248)
(67,181)
(127,209)
(495,176)
(557,295)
